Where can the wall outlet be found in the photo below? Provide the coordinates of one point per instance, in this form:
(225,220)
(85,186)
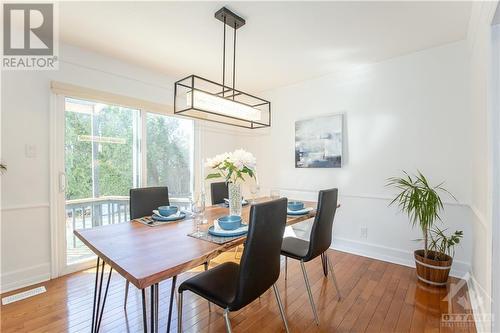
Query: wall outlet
(363,233)
(30,150)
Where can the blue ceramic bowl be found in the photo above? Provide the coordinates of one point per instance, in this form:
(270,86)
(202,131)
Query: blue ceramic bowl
(230,222)
(167,210)
(295,205)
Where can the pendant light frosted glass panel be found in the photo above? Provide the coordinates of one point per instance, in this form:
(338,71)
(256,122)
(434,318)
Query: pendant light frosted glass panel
(200,98)
(222,105)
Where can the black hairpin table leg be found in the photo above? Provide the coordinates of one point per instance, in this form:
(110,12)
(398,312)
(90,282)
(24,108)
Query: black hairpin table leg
(172,292)
(98,309)
(144,315)
(152,309)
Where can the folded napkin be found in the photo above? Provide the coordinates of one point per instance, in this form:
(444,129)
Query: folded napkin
(300,211)
(243,201)
(219,229)
(172,215)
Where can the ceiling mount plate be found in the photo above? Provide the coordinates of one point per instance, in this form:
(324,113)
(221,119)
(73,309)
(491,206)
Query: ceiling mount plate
(232,20)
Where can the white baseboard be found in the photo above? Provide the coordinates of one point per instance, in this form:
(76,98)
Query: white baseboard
(24,277)
(479,298)
(389,254)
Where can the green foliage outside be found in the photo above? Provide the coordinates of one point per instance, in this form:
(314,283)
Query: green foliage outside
(78,155)
(169,143)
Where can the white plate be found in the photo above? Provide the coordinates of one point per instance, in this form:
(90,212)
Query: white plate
(299,212)
(178,214)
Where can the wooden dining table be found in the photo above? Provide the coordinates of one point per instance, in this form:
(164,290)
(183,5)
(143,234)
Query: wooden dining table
(146,255)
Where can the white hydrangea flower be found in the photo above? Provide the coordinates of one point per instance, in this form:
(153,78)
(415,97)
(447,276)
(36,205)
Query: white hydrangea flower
(216,161)
(241,158)
(238,159)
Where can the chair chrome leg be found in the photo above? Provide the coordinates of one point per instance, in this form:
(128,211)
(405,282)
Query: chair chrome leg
(280,305)
(179,313)
(209,304)
(286,267)
(339,296)
(127,284)
(308,287)
(324,264)
(226,320)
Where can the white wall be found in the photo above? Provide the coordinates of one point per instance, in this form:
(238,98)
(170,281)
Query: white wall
(485,179)
(25,225)
(410,113)
(496,174)
(485,169)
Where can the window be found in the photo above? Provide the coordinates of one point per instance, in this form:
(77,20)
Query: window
(103,159)
(170,153)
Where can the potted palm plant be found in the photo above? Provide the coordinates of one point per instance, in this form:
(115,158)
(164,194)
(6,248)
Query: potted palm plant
(423,205)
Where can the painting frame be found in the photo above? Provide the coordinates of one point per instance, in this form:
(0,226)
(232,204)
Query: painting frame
(319,142)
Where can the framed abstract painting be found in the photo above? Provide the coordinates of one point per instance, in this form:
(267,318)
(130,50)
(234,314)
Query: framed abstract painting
(318,142)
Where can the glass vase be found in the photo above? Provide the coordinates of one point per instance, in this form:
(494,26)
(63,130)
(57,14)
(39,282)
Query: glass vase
(234,199)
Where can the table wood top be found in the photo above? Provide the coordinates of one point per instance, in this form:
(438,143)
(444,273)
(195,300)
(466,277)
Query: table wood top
(146,255)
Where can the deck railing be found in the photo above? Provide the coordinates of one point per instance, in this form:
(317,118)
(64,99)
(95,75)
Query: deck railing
(92,212)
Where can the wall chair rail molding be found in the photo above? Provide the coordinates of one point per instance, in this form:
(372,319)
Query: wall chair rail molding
(26,206)
(311,193)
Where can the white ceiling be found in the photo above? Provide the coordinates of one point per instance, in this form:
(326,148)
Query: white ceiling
(282,42)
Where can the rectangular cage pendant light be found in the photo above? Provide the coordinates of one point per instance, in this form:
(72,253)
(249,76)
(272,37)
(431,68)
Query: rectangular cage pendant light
(204,99)
(200,98)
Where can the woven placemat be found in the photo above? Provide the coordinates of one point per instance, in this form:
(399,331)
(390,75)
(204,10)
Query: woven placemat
(204,235)
(150,222)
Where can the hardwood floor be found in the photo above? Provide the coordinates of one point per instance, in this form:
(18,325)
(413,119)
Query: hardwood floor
(377,297)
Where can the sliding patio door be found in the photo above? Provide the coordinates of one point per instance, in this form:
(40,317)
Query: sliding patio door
(102,163)
(104,151)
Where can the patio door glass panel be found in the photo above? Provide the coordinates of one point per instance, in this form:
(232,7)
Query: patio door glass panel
(102,163)
(169,157)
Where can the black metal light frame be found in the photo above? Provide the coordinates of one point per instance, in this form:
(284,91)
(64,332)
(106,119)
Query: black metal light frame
(189,84)
(193,83)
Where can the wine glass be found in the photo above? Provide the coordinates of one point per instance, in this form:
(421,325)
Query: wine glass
(254,190)
(275,194)
(198,208)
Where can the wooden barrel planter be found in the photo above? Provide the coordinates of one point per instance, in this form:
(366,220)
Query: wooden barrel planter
(431,271)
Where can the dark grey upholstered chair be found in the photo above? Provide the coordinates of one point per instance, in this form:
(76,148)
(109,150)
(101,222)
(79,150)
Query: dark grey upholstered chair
(232,286)
(218,192)
(319,242)
(142,202)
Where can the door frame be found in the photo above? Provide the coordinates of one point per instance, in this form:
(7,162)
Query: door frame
(57,192)
(495,103)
